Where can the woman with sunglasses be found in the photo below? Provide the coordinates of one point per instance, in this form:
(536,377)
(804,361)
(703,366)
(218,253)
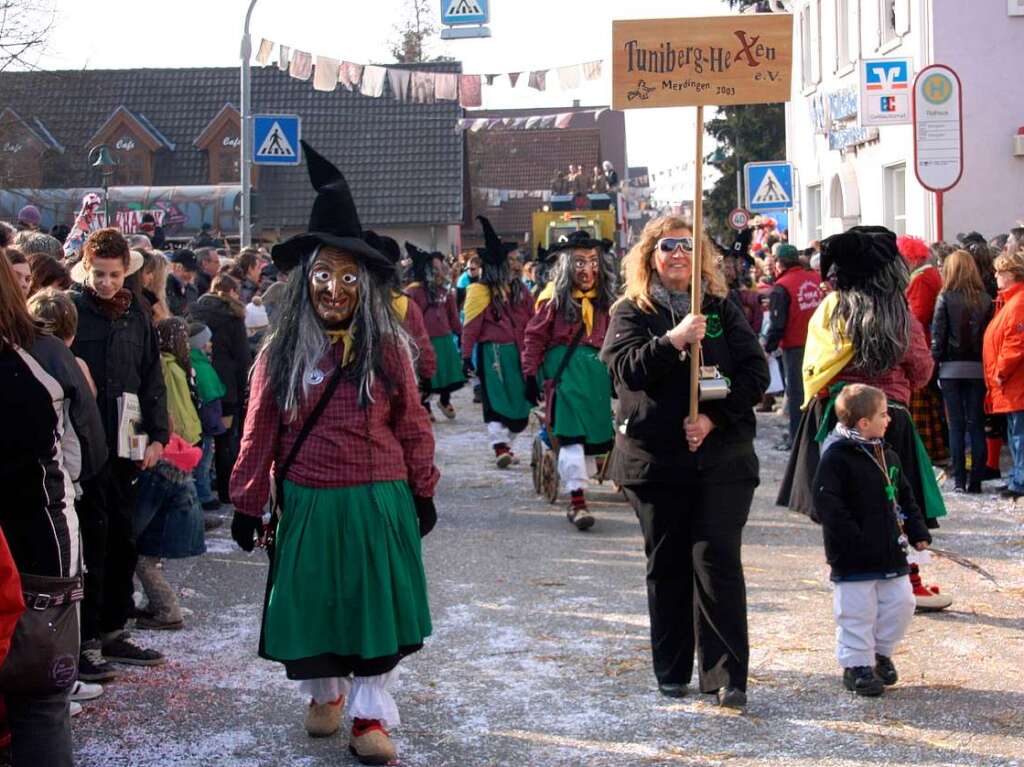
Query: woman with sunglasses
(690,483)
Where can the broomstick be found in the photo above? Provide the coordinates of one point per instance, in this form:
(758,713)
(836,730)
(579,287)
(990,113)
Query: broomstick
(963,561)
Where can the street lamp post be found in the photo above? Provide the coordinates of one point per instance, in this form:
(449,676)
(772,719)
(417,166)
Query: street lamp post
(105,161)
(245,225)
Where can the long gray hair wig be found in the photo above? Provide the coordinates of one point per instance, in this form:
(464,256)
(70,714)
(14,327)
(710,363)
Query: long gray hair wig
(298,341)
(561,275)
(875,318)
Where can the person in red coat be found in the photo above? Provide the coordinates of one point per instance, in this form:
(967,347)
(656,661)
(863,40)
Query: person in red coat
(926,405)
(795,296)
(561,351)
(1003,359)
(431,293)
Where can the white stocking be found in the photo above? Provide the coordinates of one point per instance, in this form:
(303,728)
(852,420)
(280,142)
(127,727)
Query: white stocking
(371,698)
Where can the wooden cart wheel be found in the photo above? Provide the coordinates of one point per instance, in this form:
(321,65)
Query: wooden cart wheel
(549,476)
(537,463)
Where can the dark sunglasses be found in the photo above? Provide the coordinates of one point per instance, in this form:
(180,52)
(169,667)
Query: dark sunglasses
(670,244)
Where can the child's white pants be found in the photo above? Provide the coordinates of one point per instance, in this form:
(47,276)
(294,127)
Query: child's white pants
(871,617)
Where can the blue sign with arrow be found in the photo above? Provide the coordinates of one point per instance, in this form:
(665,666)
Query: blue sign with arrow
(276,139)
(769,186)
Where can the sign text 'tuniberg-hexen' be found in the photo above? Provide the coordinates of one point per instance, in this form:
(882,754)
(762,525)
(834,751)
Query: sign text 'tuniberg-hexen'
(742,59)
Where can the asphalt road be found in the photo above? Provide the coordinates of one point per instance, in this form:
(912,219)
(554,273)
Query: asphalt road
(540,653)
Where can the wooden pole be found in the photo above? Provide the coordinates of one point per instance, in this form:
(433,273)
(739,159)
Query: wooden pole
(696,299)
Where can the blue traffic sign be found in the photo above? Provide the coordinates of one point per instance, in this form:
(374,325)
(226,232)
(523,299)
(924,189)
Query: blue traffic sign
(769,186)
(456,12)
(276,139)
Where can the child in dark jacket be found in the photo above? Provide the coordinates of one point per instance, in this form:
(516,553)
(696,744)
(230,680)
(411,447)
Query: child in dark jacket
(870,520)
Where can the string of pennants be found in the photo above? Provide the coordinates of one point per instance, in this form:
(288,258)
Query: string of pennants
(410,85)
(561,121)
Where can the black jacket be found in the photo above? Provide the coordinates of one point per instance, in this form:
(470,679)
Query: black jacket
(231,357)
(857,519)
(48,413)
(958,329)
(123,356)
(180,295)
(653,385)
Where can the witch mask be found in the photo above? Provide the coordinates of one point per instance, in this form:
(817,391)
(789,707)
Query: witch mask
(334,287)
(586,266)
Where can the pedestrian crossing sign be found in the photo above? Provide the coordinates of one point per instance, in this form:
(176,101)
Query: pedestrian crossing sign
(769,186)
(276,139)
(455,12)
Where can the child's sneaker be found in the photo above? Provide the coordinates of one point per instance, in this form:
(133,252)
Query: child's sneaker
(885,670)
(502,455)
(862,680)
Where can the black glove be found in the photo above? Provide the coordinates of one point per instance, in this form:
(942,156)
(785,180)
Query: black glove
(532,392)
(244,529)
(467,368)
(426,513)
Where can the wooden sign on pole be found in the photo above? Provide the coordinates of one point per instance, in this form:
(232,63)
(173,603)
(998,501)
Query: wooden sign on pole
(712,61)
(707,61)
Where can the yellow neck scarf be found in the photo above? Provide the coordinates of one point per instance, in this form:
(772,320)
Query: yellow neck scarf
(400,305)
(345,336)
(823,361)
(586,302)
(478,298)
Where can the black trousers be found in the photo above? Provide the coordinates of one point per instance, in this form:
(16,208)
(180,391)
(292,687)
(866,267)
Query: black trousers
(108,544)
(696,593)
(40,730)
(225,453)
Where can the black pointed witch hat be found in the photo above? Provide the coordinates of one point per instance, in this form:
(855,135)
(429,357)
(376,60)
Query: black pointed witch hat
(494,251)
(334,220)
(420,259)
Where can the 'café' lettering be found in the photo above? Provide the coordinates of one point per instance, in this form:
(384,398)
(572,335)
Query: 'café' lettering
(125,144)
(232,141)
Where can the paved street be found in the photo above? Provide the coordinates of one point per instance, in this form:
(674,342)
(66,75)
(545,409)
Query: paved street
(540,653)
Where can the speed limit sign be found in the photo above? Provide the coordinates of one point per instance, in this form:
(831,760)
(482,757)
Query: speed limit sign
(739,219)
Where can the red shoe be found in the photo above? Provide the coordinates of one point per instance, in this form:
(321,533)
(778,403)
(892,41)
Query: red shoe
(578,512)
(930,600)
(370,742)
(502,455)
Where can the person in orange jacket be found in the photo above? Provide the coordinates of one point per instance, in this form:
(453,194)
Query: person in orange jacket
(1002,356)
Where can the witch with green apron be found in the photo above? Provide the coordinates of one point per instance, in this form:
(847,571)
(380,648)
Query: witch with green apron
(864,332)
(561,355)
(335,424)
(431,292)
(497,310)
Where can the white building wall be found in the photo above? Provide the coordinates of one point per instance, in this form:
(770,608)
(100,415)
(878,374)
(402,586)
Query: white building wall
(852,180)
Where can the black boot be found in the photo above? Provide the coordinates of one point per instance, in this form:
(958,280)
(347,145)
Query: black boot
(885,670)
(862,680)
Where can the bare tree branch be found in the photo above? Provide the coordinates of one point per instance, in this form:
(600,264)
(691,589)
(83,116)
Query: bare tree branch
(25,27)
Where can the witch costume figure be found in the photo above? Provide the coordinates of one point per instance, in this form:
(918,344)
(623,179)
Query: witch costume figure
(430,292)
(409,315)
(334,419)
(864,332)
(497,310)
(561,354)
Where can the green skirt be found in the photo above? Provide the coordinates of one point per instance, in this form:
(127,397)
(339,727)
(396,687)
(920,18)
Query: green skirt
(449,376)
(582,409)
(503,389)
(347,577)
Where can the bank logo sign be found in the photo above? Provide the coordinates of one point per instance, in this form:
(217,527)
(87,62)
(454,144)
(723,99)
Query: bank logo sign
(885,92)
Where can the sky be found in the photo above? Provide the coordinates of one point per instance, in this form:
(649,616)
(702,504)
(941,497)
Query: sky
(526,35)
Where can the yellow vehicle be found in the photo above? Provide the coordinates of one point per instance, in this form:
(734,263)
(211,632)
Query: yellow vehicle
(550,226)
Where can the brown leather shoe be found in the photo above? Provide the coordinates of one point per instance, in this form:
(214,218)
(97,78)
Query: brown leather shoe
(324,719)
(370,742)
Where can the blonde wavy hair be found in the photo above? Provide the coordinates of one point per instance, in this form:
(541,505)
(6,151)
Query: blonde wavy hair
(638,265)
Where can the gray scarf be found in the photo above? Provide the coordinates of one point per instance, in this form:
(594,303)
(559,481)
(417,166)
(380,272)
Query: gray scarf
(676,301)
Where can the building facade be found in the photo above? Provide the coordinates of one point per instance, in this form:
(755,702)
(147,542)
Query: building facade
(847,174)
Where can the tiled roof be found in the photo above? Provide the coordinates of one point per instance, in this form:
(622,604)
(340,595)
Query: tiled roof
(523,160)
(404,161)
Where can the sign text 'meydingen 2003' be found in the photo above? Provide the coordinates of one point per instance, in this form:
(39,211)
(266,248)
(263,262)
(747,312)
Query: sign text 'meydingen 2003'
(712,61)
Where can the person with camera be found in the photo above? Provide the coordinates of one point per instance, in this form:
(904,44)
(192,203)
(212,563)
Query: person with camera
(690,482)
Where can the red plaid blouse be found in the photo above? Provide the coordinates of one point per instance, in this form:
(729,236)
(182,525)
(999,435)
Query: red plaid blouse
(389,440)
